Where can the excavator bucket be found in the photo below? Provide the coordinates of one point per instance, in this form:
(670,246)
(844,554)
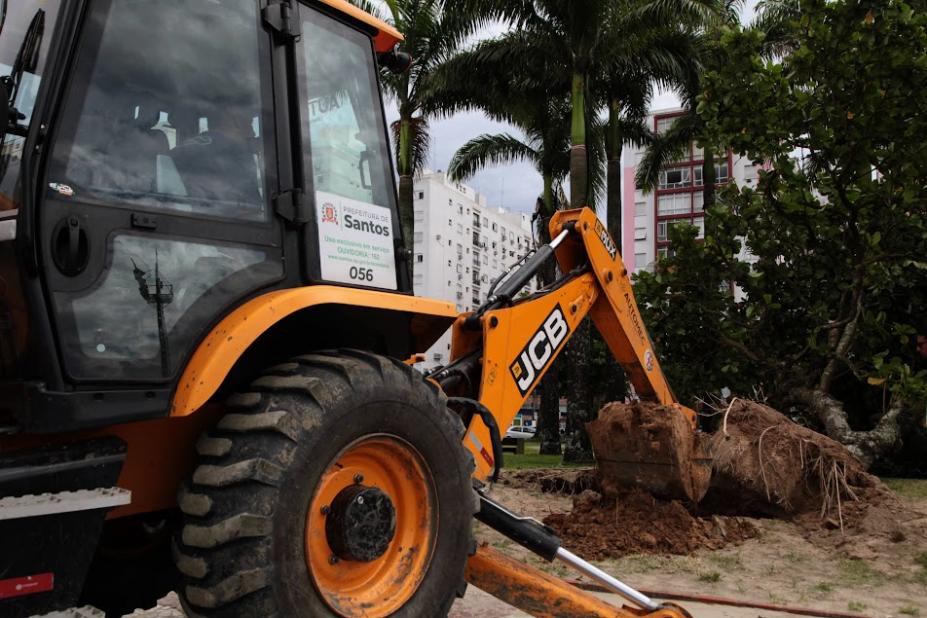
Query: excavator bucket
(652,446)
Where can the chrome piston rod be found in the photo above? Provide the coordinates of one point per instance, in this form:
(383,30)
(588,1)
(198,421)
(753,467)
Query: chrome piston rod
(615,585)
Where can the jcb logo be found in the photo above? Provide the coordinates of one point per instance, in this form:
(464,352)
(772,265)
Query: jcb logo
(540,350)
(606,239)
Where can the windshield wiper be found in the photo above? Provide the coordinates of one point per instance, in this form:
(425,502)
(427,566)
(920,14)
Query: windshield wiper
(27,59)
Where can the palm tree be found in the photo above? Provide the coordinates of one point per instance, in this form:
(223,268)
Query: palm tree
(581,35)
(433,30)
(625,87)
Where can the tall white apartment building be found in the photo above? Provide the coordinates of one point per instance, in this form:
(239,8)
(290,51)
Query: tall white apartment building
(678,198)
(461,246)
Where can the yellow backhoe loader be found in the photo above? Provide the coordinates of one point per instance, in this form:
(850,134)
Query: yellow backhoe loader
(206,318)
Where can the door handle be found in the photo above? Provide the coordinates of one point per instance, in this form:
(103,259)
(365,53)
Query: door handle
(70,246)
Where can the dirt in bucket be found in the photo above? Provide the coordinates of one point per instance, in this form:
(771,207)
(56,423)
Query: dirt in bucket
(651,446)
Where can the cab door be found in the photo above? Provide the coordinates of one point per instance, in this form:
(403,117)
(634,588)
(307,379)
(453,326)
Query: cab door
(354,235)
(155,210)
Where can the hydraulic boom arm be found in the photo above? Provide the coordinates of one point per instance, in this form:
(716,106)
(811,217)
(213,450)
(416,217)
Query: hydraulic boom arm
(502,350)
(500,353)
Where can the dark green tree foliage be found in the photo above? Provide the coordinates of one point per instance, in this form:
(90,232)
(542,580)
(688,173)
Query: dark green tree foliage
(838,224)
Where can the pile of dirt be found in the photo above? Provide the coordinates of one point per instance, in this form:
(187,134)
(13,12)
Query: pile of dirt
(765,464)
(634,521)
(652,446)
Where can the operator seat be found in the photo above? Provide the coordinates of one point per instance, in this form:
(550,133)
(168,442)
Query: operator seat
(132,153)
(220,164)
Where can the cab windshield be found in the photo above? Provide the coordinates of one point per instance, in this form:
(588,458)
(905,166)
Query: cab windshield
(21,17)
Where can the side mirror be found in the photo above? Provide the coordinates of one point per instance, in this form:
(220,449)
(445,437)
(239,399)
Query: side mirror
(396,61)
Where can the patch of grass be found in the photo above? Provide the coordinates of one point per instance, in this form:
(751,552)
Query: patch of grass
(921,576)
(908,488)
(728,562)
(712,577)
(859,572)
(909,610)
(792,556)
(638,563)
(823,587)
(532,459)
(856,606)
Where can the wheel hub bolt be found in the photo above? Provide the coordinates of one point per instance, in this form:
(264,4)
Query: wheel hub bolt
(333,559)
(358,479)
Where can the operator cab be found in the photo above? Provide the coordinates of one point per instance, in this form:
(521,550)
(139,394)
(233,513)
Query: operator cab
(183,156)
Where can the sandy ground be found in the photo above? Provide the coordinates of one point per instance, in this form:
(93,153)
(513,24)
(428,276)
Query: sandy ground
(869,577)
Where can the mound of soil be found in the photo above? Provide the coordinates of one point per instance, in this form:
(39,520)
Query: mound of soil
(634,521)
(764,464)
(651,446)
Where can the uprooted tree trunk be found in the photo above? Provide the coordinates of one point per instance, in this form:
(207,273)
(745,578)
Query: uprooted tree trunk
(870,445)
(867,446)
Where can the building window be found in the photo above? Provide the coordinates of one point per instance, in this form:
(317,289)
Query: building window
(419,258)
(699,222)
(640,259)
(664,124)
(698,201)
(674,204)
(640,209)
(675,177)
(721,172)
(640,233)
(495,227)
(420,195)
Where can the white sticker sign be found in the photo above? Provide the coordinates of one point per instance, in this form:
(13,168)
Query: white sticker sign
(355,241)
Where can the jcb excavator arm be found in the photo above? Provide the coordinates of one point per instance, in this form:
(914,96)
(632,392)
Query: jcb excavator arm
(500,353)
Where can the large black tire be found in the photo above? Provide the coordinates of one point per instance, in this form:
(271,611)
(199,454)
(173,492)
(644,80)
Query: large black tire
(241,547)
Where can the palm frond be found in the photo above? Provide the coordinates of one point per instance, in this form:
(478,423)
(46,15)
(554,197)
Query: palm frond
(664,149)
(776,19)
(485,150)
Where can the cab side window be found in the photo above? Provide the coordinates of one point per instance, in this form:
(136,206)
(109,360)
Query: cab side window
(170,114)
